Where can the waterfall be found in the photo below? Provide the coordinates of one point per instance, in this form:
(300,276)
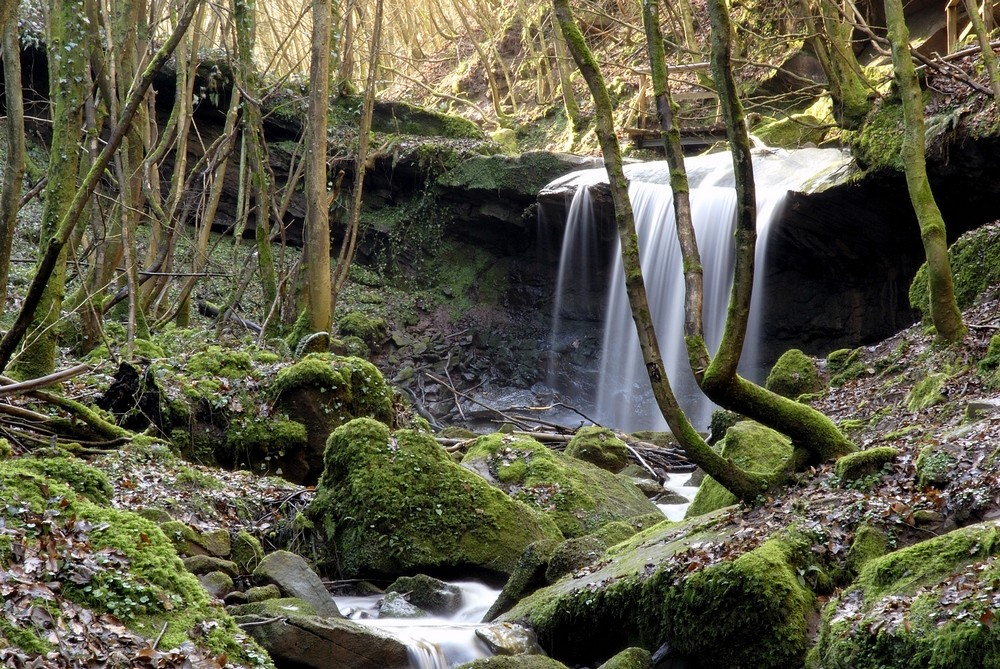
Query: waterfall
(623,396)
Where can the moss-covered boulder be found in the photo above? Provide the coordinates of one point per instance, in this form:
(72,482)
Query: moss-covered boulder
(390,504)
(528,576)
(630,658)
(577,495)
(101,561)
(751,446)
(662,587)
(429,594)
(794,374)
(856,466)
(975,262)
(928,605)
(927,392)
(372,330)
(322,391)
(513,662)
(598,446)
(401,118)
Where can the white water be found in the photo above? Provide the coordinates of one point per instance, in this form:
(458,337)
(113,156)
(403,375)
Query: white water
(433,642)
(624,397)
(675,483)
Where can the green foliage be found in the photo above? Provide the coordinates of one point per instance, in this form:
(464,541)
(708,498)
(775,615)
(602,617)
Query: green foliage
(935,466)
(83,479)
(794,374)
(578,496)
(389,504)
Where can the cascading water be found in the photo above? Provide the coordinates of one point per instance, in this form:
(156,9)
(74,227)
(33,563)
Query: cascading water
(432,642)
(623,397)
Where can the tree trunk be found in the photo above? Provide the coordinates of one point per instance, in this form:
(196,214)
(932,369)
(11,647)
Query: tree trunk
(983,37)
(945,315)
(13,171)
(317,223)
(744,485)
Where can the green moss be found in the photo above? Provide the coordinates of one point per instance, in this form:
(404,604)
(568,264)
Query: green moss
(82,478)
(869,543)
(748,611)
(246,551)
(141,580)
(528,576)
(878,145)
(753,447)
(372,331)
(794,374)
(988,369)
(578,496)
(400,118)
(927,392)
(355,386)
(253,442)
(794,131)
(25,639)
(216,361)
(861,464)
(975,264)
(390,504)
(918,607)
(630,658)
(574,554)
(513,662)
(599,446)
(525,174)
(845,364)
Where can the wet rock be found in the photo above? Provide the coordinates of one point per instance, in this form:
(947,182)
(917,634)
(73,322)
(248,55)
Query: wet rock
(394,605)
(311,642)
(429,594)
(509,639)
(216,583)
(295,578)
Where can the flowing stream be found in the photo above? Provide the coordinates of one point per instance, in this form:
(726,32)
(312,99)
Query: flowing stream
(432,642)
(623,397)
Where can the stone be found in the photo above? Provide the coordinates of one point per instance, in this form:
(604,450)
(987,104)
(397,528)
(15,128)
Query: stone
(246,551)
(430,594)
(216,542)
(312,642)
(204,564)
(509,639)
(513,662)
(630,658)
(649,487)
(394,605)
(235,598)
(858,465)
(794,374)
(574,554)
(262,592)
(528,576)
(281,607)
(295,578)
(599,446)
(216,583)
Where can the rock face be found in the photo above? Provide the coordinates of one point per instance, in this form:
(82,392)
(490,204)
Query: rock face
(310,642)
(578,496)
(390,504)
(429,594)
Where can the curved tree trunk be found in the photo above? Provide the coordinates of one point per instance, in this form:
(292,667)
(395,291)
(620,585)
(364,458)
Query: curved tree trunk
(945,314)
(745,485)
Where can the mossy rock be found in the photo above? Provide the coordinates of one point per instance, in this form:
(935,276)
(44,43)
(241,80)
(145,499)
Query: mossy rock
(975,264)
(574,554)
(370,330)
(751,610)
(280,607)
(794,374)
(599,446)
(988,369)
(935,466)
(428,594)
(273,445)
(927,392)
(141,581)
(919,607)
(246,551)
(322,391)
(869,543)
(792,132)
(861,464)
(578,496)
(520,176)
(630,658)
(845,364)
(720,422)
(528,576)
(391,504)
(753,447)
(400,118)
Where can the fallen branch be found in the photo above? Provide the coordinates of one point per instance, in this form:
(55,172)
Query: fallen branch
(9,386)
(506,417)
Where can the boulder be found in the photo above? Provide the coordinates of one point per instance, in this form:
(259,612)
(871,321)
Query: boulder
(630,658)
(932,604)
(246,551)
(311,642)
(295,578)
(794,374)
(661,587)
(430,594)
(578,496)
(394,605)
(858,465)
(321,392)
(598,446)
(513,662)
(218,584)
(751,446)
(261,593)
(396,503)
(509,639)
(204,564)
(528,576)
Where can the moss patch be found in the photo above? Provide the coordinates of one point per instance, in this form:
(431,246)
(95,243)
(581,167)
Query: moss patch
(578,496)
(599,446)
(396,503)
(975,265)
(855,466)
(927,392)
(794,374)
